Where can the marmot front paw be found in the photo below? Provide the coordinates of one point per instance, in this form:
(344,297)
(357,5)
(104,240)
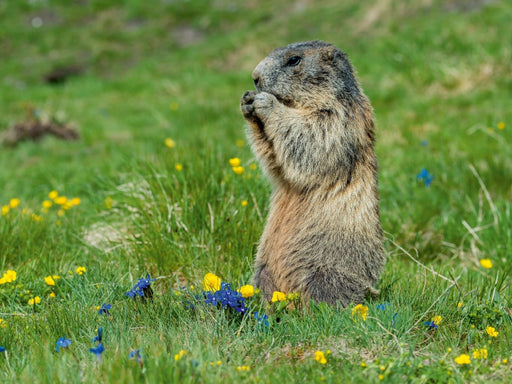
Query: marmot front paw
(257,106)
(247,105)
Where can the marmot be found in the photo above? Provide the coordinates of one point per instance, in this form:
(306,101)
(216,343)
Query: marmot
(312,128)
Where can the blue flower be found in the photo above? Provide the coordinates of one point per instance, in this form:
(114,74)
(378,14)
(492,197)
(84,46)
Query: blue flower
(431,325)
(134,353)
(382,306)
(99,337)
(227,297)
(98,350)
(424,143)
(425,176)
(62,343)
(2,349)
(105,309)
(142,288)
(261,319)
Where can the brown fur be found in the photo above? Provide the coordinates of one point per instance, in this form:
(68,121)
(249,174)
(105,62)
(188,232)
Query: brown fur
(311,126)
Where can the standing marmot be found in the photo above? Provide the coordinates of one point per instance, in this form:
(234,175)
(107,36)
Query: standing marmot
(312,128)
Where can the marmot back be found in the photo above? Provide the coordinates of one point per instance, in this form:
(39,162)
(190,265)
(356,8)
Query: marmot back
(312,128)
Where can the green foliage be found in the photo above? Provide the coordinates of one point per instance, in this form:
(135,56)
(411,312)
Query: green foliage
(438,75)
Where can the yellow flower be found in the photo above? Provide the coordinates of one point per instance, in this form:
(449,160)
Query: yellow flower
(108,202)
(211,282)
(463,359)
(491,331)
(278,296)
(253,166)
(501,125)
(75,201)
(170,143)
(381,377)
(293,296)
(173,106)
(320,357)
(50,280)
(178,167)
(179,355)
(35,300)
(244,203)
(8,277)
(47,204)
(53,195)
(14,203)
(238,170)
(460,304)
(480,353)
(363,365)
(437,320)
(5,210)
(486,263)
(247,290)
(3,323)
(37,217)
(81,270)
(234,162)
(52,295)
(504,361)
(359,311)
(61,200)
(243,368)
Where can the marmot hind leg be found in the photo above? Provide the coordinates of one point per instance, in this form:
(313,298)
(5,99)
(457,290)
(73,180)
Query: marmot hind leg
(335,287)
(265,282)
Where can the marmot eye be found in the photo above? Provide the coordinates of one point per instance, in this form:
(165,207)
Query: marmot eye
(293,61)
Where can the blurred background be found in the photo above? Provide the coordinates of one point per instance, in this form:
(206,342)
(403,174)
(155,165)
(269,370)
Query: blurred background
(127,75)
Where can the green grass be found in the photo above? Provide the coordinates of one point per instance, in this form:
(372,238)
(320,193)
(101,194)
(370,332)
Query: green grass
(435,72)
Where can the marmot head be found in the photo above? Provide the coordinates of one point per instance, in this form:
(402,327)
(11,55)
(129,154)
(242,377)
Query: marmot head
(308,74)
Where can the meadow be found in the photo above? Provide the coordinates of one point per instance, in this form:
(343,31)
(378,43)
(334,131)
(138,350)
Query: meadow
(161,182)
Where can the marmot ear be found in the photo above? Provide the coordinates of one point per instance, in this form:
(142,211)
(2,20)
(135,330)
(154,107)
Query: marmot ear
(332,55)
(328,54)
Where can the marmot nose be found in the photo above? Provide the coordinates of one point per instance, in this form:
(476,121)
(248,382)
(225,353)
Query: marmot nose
(257,81)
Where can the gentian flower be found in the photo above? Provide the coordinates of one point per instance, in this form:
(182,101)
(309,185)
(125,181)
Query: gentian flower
(136,353)
(98,350)
(425,176)
(227,297)
(2,349)
(62,343)
(142,288)
(431,324)
(261,319)
(105,309)
(99,337)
